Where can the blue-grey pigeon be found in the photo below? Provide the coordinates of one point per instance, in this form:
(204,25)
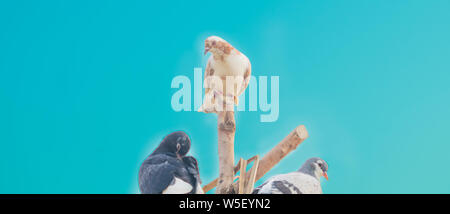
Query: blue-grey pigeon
(306,180)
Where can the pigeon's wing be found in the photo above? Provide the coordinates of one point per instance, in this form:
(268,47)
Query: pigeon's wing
(192,168)
(155,175)
(247,75)
(298,183)
(307,184)
(272,186)
(291,183)
(209,71)
(284,187)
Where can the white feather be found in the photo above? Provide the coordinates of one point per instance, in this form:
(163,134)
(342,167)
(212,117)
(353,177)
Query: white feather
(178,186)
(199,189)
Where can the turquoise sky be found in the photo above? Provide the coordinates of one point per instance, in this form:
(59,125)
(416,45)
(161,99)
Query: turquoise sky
(85,89)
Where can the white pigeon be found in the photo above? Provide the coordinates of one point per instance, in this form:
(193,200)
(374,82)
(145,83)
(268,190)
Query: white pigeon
(226,63)
(304,181)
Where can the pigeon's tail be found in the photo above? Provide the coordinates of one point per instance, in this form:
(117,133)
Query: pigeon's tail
(208,105)
(207,108)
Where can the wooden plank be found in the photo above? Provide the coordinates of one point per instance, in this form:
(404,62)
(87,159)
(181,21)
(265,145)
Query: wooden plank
(250,184)
(242,176)
(213,183)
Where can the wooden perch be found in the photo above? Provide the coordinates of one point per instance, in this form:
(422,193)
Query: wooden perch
(242,176)
(250,183)
(246,183)
(287,145)
(273,157)
(226,129)
(213,183)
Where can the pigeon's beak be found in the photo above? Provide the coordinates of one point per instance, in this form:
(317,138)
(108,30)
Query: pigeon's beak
(325,175)
(206,51)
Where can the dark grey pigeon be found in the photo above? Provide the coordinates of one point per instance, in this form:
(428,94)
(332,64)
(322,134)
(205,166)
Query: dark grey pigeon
(168,170)
(304,181)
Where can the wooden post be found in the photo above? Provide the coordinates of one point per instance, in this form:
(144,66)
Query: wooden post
(226,129)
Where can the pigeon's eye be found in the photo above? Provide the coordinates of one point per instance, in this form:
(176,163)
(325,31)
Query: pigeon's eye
(320,165)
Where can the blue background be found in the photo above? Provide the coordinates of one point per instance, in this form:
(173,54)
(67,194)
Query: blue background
(85,89)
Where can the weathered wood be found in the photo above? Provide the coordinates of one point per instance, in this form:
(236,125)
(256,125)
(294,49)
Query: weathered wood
(250,183)
(276,154)
(226,130)
(213,183)
(242,176)
(287,145)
